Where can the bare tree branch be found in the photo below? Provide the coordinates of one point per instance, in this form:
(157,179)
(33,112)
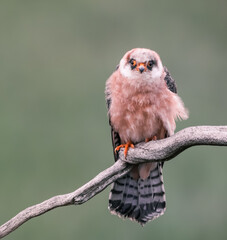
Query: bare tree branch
(166,149)
(161,150)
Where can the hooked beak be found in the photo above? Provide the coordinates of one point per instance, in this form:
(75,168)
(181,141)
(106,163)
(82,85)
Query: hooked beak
(141,67)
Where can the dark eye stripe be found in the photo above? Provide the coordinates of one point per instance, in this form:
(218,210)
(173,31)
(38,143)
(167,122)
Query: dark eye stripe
(150,64)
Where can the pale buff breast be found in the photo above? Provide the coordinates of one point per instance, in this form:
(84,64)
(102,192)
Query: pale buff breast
(140,113)
(136,125)
(134,112)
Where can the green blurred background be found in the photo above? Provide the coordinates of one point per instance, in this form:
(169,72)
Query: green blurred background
(55,57)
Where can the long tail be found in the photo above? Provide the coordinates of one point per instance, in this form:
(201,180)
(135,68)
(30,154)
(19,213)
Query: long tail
(139,200)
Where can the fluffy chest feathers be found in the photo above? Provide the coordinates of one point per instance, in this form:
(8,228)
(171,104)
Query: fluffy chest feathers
(139,112)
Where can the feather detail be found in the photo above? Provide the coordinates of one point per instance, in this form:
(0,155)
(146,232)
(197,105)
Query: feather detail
(140,200)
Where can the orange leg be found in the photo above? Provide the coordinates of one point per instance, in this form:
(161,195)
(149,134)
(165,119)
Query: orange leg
(151,139)
(126,146)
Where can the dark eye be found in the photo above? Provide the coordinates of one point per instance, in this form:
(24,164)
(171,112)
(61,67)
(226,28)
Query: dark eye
(133,63)
(150,64)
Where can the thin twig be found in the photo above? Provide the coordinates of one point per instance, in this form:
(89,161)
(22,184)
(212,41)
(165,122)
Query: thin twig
(161,150)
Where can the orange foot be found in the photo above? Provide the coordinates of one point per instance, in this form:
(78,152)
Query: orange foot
(151,139)
(126,146)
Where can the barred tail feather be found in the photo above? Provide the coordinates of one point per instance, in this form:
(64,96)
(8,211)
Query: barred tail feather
(123,196)
(140,200)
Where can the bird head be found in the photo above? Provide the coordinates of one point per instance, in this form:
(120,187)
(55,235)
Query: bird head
(141,64)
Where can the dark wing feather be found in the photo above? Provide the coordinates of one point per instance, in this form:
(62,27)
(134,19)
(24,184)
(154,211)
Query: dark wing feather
(116,141)
(171,84)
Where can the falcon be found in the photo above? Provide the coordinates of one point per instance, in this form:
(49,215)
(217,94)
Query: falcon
(143,105)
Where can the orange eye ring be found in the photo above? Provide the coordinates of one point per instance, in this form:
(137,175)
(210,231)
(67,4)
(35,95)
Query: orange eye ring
(133,63)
